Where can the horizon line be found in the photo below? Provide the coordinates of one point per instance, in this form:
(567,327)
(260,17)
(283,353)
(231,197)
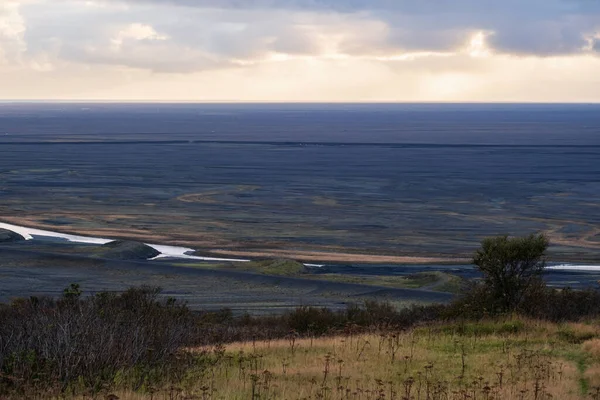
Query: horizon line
(133,101)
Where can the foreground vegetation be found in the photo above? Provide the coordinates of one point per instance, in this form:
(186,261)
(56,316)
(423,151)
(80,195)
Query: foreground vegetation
(140,345)
(507,337)
(510,359)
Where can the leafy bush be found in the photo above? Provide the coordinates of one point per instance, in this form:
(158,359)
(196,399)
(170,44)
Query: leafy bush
(511,267)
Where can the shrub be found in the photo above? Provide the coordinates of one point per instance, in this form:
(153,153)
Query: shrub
(560,305)
(312,320)
(511,268)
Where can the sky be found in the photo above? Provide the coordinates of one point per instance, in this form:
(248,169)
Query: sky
(301,50)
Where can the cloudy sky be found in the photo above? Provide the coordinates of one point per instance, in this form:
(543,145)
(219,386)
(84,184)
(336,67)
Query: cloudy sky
(301,50)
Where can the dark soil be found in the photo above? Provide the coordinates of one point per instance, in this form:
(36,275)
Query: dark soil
(7,236)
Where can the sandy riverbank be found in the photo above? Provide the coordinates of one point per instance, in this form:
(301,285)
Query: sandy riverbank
(320,256)
(210,251)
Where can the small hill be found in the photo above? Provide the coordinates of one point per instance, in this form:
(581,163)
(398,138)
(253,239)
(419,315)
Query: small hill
(276,267)
(7,236)
(127,250)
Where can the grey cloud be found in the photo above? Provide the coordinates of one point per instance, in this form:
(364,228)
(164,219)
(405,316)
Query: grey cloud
(549,27)
(532,7)
(538,27)
(541,39)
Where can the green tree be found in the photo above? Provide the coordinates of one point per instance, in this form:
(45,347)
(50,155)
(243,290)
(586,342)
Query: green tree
(72,293)
(512,268)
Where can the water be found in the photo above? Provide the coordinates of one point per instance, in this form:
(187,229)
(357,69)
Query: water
(392,179)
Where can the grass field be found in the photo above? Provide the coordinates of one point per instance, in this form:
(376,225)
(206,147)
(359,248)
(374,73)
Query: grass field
(435,280)
(514,359)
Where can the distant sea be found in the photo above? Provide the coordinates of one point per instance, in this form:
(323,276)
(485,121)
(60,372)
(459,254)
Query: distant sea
(404,178)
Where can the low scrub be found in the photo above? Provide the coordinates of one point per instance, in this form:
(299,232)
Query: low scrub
(90,344)
(57,345)
(540,302)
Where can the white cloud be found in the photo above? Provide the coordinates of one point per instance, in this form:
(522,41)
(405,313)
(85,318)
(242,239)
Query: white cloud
(136,32)
(543,27)
(12,30)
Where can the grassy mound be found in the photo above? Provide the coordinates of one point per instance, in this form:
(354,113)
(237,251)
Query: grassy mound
(7,236)
(434,281)
(281,267)
(277,267)
(126,250)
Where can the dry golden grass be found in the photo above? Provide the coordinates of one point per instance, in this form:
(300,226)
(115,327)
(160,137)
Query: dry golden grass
(508,360)
(592,375)
(592,347)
